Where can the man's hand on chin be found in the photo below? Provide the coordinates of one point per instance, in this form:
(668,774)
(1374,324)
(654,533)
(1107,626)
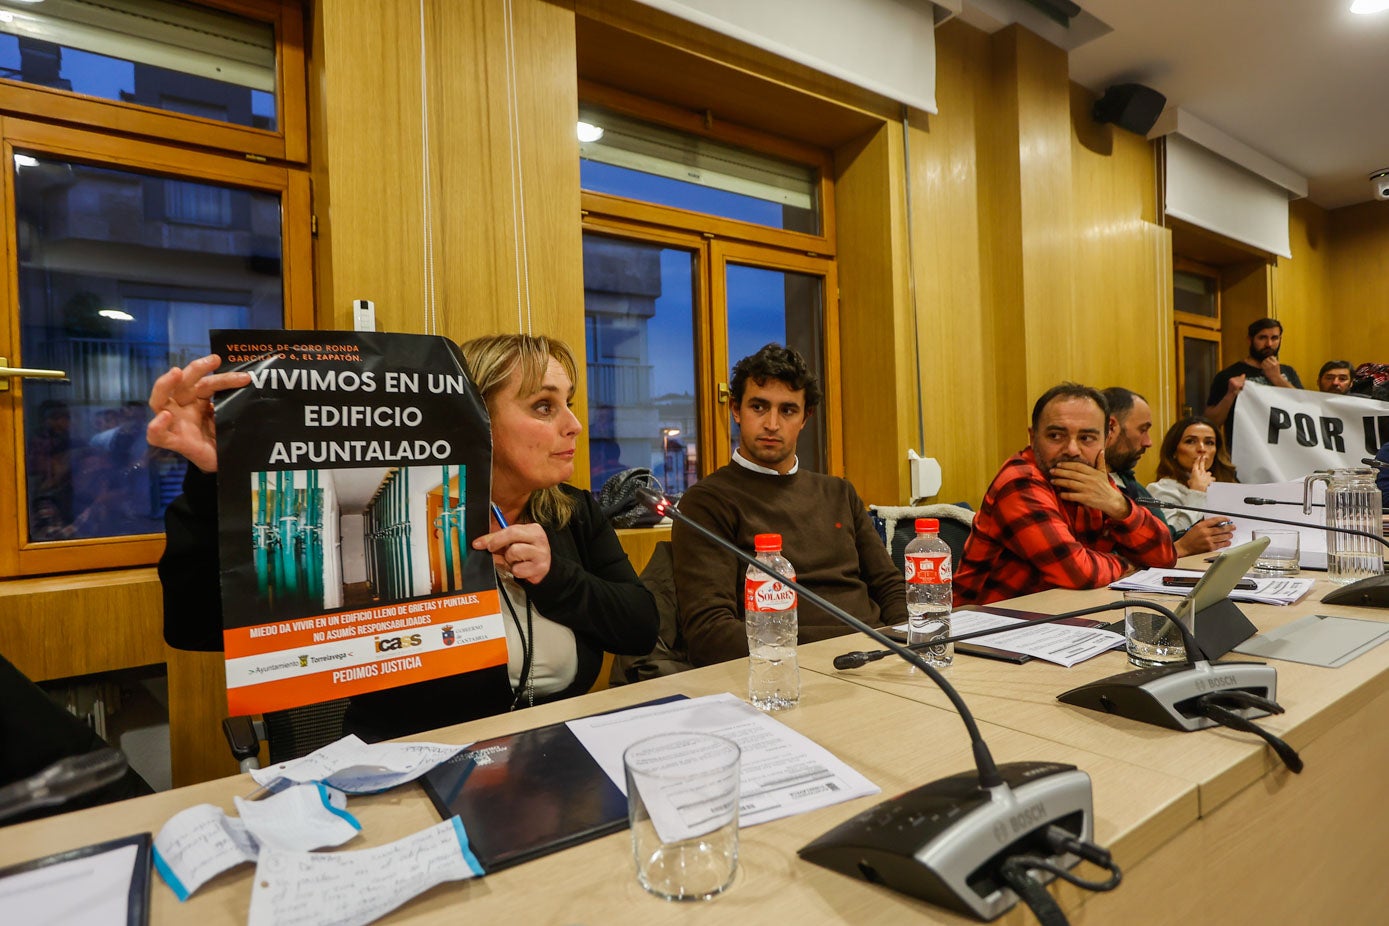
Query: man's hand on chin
(1090,486)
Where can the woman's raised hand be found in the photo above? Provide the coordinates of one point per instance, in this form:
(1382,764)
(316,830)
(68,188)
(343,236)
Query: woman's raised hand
(1200,479)
(182,404)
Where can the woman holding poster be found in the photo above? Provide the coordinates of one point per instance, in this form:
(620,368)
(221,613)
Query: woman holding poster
(567,589)
(1192,457)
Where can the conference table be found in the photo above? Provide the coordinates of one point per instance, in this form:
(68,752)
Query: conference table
(1209,826)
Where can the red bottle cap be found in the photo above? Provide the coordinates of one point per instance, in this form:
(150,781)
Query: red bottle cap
(767,543)
(927,526)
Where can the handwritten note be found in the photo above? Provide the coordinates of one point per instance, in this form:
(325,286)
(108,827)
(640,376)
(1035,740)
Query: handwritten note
(197,844)
(359,768)
(300,818)
(351,888)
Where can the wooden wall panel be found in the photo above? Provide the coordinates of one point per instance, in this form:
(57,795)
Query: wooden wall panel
(1036,255)
(1246,294)
(1359,283)
(1302,293)
(488,205)
(1122,266)
(369,165)
(1002,281)
(875,334)
(964,429)
(364,86)
(1055,342)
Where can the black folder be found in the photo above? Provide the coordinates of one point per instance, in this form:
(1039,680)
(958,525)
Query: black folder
(137,905)
(528,794)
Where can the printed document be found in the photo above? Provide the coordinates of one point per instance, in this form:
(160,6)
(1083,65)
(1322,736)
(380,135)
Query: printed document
(782,772)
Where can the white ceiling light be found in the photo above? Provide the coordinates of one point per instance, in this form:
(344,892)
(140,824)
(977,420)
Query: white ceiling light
(1369,6)
(117,315)
(588,132)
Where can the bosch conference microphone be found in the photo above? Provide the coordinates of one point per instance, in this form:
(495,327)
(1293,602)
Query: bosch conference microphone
(966,842)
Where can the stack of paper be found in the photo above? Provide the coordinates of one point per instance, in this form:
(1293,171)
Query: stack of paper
(1266,591)
(1063,644)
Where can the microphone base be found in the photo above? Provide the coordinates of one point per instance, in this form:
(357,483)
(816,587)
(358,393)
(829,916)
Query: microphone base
(944,842)
(1166,695)
(1372,592)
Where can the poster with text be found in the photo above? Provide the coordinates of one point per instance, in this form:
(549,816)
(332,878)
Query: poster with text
(1283,434)
(353,473)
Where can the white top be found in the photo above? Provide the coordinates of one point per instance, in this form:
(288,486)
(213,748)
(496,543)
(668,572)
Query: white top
(1170,490)
(555,660)
(745,463)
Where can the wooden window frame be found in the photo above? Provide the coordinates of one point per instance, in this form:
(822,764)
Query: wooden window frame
(289,142)
(723,253)
(694,124)
(1186,330)
(1186,265)
(19,556)
(722,240)
(711,332)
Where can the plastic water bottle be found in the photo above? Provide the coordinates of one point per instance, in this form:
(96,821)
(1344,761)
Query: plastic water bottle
(769,609)
(929,592)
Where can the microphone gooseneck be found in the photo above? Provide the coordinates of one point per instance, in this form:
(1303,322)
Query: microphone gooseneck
(947,841)
(1253,500)
(1158,503)
(988,770)
(1377,464)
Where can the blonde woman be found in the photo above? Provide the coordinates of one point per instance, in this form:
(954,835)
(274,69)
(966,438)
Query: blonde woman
(569,592)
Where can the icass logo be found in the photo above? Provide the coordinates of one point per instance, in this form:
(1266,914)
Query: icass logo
(385,644)
(771,596)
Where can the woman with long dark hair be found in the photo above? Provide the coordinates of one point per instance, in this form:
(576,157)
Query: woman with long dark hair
(1191,458)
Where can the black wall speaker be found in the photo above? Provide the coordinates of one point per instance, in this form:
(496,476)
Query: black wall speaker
(1130,106)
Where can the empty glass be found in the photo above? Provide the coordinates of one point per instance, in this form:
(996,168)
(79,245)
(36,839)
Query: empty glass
(682,801)
(1281,558)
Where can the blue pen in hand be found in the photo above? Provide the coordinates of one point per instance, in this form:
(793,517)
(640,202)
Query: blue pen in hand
(497,513)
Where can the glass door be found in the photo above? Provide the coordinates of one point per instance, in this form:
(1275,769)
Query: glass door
(790,299)
(1198,360)
(639,325)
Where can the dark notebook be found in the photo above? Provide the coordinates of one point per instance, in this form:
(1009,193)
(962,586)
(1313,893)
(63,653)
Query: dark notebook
(528,794)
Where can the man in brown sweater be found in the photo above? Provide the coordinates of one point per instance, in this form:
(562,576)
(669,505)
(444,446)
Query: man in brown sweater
(826,531)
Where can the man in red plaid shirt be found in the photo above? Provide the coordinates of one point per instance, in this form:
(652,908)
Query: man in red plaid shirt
(1053,517)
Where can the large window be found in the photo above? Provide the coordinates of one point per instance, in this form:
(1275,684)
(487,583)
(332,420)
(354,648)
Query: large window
(125,251)
(697,252)
(225,74)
